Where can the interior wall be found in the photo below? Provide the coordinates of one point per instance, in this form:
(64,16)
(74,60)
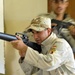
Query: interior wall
(17,16)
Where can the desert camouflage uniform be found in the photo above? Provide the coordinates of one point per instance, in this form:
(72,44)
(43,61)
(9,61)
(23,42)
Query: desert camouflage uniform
(56,58)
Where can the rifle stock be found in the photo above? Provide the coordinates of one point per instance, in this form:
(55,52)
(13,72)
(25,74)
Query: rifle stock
(61,24)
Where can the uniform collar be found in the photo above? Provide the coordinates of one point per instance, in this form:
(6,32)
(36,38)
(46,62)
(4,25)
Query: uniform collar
(54,15)
(49,40)
(66,18)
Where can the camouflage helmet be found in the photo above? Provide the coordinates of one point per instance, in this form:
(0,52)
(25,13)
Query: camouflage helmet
(40,23)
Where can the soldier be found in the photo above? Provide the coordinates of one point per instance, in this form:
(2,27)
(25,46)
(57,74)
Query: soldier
(59,13)
(56,57)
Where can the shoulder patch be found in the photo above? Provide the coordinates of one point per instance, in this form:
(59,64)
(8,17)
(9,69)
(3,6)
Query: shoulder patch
(52,50)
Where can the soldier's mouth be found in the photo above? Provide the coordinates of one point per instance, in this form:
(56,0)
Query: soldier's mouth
(59,8)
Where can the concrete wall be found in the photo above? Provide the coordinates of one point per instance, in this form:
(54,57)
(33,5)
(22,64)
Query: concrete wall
(17,16)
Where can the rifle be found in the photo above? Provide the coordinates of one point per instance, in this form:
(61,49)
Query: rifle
(9,37)
(65,34)
(60,24)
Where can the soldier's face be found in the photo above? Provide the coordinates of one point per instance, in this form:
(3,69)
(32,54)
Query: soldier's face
(59,7)
(40,36)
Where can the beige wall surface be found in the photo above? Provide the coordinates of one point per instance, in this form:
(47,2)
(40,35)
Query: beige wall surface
(17,16)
